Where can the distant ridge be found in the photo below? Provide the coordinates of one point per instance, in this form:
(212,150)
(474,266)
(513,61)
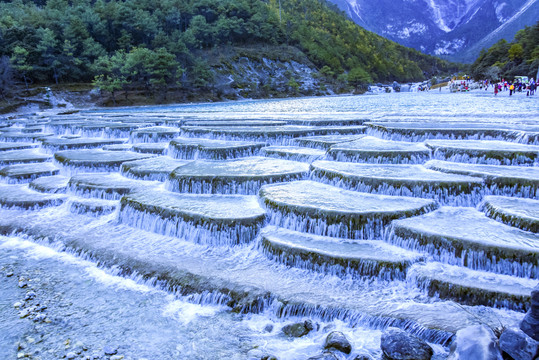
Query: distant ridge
(456,30)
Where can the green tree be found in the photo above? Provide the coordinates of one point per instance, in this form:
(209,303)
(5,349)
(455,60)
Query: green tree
(201,74)
(358,77)
(110,73)
(92,50)
(65,39)
(20,63)
(293,85)
(164,70)
(47,48)
(202,32)
(68,62)
(6,76)
(327,72)
(138,67)
(519,57)
(515,52)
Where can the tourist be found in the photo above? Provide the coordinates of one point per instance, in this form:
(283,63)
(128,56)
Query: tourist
(511,89)
(495,89)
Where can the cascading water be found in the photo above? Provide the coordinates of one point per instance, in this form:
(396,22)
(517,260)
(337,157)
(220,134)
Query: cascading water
(223,248)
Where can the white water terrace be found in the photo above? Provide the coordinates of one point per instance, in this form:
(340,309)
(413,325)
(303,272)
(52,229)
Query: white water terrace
(199,231)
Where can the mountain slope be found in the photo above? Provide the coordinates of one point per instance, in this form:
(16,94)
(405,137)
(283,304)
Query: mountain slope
(528,15)
(127,45)
(456,29)
(507,60)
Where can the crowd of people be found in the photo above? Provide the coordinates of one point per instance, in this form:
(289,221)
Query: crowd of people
(513,87)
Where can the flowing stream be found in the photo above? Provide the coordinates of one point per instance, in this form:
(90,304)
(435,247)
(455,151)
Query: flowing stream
(199,231)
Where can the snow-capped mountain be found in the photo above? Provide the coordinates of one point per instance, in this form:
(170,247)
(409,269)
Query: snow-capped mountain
(456,29)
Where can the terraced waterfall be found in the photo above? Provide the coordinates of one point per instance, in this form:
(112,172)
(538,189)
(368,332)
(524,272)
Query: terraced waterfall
(199,231)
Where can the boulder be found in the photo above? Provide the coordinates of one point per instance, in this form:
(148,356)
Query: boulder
(363,357)
(298,329)
(324,356)
(476,342)
(259,354)
(397,344)
(336,340)
(530,323)
(515,343)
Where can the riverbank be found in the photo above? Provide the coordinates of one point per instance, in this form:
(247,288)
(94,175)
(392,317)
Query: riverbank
(82,96)
(69,98)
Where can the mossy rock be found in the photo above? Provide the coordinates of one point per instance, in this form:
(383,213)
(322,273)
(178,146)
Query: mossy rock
(321,209)
(521,213)
(472,287)
(244,176)
(466,237)
(28,172)
(97,159)
(492,152)
(208,219)
(21,197)
(22,156)
(370,258)
(373,150)
(190,148)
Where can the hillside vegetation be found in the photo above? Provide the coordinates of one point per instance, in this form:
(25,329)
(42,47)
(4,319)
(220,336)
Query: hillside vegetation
(158,45)
(519,57)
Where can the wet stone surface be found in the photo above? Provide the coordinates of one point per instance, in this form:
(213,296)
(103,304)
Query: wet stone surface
(106,186)
(23,173)
(401,179)
(211,219)
(492,152)
(363,258)
(275,135)
(296,153)
(22,156)
(50,184)
(324,142)
(236,176)
(158,168)
(191,148)
(411,130)
(154,134)
(313,207)
(482,243)
(16,146)
(20,196)
(97,159)
(374,150)
(517,181)
(78,143)
(521,213)
(473,287)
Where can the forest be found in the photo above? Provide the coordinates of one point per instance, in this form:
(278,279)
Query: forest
(505,60)
(157,45)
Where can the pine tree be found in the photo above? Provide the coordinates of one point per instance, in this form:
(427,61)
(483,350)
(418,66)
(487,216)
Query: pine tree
(20,63)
